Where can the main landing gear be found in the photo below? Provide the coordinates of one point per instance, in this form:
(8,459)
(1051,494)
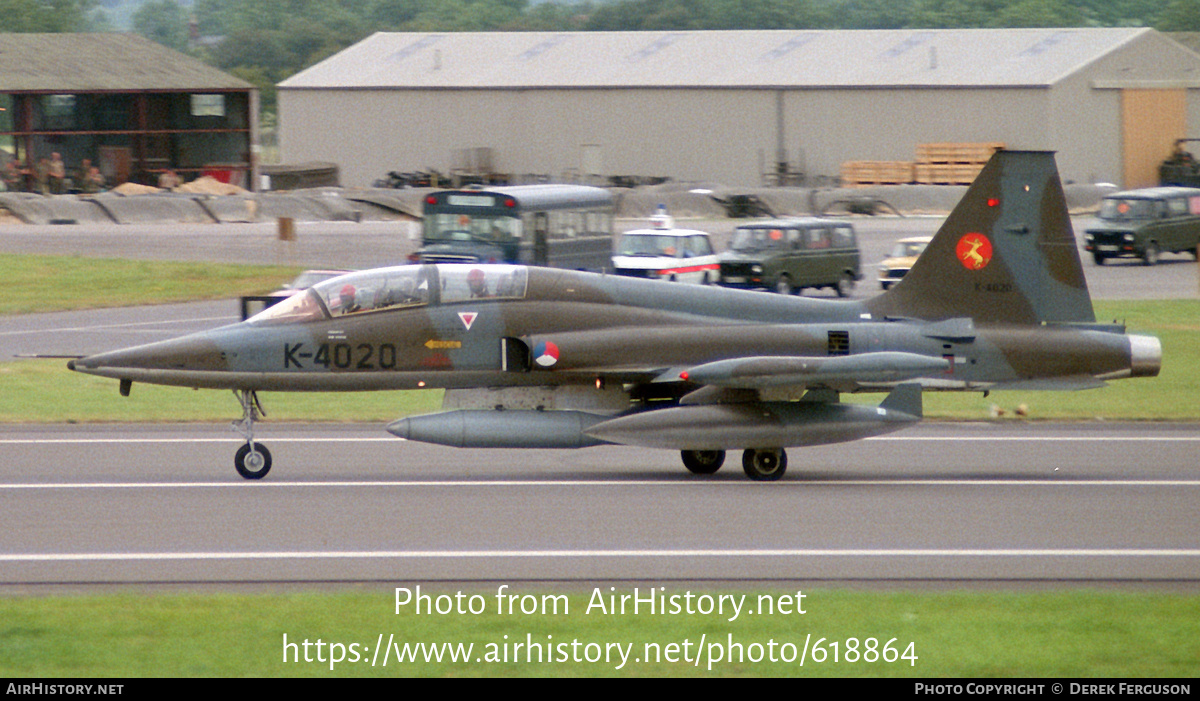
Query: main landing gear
(253,460)
(703,462)
(764,464)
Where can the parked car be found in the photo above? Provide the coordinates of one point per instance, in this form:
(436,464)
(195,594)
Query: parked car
(789,255)
(663,252)
(904,253)
(1146,223)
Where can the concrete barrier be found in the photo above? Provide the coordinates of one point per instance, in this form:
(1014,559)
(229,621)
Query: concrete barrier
(683,200)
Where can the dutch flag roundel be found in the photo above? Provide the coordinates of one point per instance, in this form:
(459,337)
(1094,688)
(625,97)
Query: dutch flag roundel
(545,354)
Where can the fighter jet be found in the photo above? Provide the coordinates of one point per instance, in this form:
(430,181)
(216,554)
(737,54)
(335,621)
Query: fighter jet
(544,358)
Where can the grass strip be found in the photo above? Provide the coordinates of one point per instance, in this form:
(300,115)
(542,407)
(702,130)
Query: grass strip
(1076,633)
(37,283)
(45,391)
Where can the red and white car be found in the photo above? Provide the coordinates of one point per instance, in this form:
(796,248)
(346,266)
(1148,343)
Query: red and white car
(663,252)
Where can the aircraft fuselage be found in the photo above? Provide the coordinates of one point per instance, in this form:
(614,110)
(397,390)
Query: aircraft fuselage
(620,329)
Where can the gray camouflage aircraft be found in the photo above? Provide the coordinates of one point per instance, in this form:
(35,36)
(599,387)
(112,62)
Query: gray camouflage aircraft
(544,358)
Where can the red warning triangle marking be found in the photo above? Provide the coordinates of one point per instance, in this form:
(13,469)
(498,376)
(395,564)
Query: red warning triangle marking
(468,318)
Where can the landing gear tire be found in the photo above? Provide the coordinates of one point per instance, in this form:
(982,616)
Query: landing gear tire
(765,465)
(845,285)
(1150,255)
(703,462)
(253,461)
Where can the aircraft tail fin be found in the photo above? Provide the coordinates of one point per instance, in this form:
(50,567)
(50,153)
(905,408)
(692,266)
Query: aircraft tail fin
(1006,254)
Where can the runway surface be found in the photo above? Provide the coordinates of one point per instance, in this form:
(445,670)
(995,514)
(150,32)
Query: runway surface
(1007,502)
(98,330)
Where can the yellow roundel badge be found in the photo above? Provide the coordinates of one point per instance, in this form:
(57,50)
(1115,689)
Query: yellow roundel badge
(974,251)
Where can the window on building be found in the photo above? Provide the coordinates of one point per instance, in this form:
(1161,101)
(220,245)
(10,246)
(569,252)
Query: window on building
(59,111)
(208,105)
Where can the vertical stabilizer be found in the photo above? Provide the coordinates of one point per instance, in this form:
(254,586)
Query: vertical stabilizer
(1006,254)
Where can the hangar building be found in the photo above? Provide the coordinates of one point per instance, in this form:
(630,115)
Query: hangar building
(131,106)
(734,107)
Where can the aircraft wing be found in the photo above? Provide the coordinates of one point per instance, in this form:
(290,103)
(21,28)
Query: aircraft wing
(762,372)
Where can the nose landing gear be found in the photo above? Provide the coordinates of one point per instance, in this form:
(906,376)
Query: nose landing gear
(253,460)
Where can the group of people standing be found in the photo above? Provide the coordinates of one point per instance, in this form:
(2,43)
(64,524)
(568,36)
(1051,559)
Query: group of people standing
(48,176)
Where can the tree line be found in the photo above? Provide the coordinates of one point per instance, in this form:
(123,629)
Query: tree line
(266,41)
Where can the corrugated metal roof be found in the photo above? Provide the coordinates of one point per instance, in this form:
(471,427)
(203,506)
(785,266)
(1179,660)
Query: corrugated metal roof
(1190,40)
(89,62)
(714,59)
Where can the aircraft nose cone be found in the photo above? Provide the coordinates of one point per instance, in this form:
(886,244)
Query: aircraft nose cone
(187,353)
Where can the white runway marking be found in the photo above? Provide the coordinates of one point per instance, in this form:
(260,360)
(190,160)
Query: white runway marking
(591,554)
(226,439)
(105,327)
(575,483)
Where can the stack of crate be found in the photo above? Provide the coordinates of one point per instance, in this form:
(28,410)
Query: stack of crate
(864,173)
(953,163)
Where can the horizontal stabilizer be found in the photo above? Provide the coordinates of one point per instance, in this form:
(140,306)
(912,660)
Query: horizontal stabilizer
(958,330)
(777,371)
(905,399)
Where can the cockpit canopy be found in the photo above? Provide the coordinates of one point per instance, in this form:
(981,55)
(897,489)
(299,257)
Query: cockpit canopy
(397,288)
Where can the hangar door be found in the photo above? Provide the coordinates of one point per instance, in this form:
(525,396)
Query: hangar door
(1151,120)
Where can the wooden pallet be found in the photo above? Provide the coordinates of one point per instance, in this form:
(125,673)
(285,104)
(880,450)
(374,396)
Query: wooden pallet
(952,163)
(945,173)
(957,152)
(866,173)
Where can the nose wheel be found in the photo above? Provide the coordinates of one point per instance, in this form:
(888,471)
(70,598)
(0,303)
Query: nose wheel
(253,460)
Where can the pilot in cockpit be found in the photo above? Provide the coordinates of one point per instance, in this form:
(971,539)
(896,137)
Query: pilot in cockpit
(478,283)
(345,303)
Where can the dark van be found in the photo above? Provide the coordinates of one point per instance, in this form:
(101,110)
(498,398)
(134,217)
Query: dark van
(1145,223)
(788,255)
